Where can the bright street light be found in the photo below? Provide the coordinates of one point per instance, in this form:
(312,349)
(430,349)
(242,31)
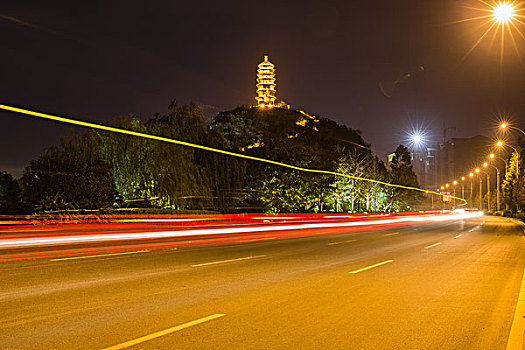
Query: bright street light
(504,12)
(505,125)
(463,178)
(477,170)
(455,182)
(471,174)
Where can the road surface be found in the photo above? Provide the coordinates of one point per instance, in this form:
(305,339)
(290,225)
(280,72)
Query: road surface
(443,285)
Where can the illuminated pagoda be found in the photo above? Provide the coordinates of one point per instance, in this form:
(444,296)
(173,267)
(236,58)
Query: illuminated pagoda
(266,84)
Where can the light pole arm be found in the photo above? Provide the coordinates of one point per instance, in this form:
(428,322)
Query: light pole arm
(515,128)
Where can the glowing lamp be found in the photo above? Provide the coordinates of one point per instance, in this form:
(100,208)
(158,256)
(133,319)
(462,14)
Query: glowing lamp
(503,12)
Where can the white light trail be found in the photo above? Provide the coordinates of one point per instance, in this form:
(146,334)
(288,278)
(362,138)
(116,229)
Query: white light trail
(43,241)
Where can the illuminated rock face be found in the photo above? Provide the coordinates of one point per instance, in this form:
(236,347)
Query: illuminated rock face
(266,84)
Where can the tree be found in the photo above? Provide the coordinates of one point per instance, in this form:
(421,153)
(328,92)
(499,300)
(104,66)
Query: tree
(71,175)
(401,173)
(10,194)
(513,186)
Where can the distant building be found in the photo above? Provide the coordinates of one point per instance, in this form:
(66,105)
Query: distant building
(424,166)
(458,156)
(446,162)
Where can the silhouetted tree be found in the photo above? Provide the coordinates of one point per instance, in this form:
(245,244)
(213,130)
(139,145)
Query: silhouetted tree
(10,194)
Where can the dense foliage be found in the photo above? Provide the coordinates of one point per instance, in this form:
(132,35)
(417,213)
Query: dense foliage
(99,169)
(514,184)
(10,200)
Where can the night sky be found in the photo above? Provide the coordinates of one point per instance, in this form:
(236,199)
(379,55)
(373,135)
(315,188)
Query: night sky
(96,60)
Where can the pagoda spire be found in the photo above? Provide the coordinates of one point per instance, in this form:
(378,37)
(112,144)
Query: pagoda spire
(266,84)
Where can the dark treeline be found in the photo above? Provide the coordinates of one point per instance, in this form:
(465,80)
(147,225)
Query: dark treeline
(105,170)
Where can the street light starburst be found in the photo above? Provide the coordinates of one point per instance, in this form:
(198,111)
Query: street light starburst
(503,12)
(501,20)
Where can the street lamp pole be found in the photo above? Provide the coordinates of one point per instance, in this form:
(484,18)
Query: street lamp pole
(497,189)
(463,187)
(480,192)
(471,187)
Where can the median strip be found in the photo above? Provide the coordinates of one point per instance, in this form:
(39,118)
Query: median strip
(432,245)
(100,255)
(164,332)
(341,242)
(227,261)
(371,266)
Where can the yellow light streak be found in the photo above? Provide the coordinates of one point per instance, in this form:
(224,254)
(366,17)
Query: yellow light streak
(206,148)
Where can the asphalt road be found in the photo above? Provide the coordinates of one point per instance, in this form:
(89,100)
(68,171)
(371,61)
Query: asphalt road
(446,285)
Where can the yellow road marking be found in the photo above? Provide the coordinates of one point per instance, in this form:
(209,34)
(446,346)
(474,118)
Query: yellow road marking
(255,240)
(341,242)
(371,266)
(164,332)
(227,261)
(432,245)
(391,234)
(99,255)
(459,235)
(517,329)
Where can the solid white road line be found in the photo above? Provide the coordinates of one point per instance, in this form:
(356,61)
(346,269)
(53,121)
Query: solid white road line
(458,235)
(517,329)
(100,255)
(229,260)
(341,242)
(432,245)
(164,332)
(371,266)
